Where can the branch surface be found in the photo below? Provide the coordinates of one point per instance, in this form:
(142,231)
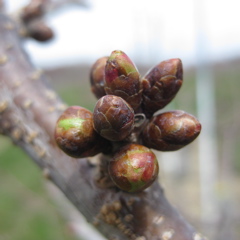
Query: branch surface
(29,110)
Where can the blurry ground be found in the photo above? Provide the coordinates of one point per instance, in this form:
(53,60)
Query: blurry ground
(27,212)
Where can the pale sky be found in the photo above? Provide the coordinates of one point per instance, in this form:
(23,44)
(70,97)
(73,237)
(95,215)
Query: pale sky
(149,31)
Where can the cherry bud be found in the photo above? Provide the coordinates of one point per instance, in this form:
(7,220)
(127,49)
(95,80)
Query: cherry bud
(113,118)
(171,131)
(39,31)
(161,84)
(123,79)
(133,168)
(33,10)
(75,135)
(97,75)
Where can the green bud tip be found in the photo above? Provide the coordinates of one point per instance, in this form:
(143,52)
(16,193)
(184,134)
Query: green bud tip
(118,64)
(68,123)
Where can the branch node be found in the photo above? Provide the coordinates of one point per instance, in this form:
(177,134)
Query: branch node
(141,238)
(158,220)
(51,109)
(3,106)
(17,83)
(112,214)
(41,153)
(198,236)
(31,137)
(27,104)
(128,218)
(167,235)
(3,59)
(51,95)
(46,173)
(36,74)
(16,134)
(62,107)
(130,202)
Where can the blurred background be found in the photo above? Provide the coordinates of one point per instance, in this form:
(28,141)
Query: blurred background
(201,180)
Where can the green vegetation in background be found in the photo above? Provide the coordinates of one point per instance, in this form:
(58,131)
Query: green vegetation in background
(26,212)
(75,95)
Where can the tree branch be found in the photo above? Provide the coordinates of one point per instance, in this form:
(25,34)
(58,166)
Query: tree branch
(29,110)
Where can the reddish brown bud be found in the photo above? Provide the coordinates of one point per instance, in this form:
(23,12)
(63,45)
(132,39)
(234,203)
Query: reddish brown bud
(133,168)
(75,134)
(161,84)
(33,10)
(97,75)
(113,118)
(123,79)
(171,131)
(40,31)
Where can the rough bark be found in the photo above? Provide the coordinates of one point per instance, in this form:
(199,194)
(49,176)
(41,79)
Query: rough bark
(29,109)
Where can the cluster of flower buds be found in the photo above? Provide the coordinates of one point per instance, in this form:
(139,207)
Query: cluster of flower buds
(123,123)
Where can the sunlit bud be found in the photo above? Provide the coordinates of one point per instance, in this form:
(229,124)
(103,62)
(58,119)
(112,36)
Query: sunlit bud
(133,168)
(97,75)
(171,131)
(75,135)
(113,118)
(123,79)
(161,84)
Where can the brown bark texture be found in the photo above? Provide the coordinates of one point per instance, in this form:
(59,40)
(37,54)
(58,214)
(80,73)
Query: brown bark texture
(29,109)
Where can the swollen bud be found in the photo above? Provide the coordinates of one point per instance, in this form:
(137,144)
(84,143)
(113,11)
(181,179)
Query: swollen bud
(113,118)
(123,79)
(97,75)
(32,11)
(171,131)
(161,84)
(39,31)
(133,168)
(75,135)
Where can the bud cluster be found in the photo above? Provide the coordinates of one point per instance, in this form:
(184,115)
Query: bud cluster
(31,18)
(124,123)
